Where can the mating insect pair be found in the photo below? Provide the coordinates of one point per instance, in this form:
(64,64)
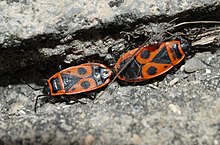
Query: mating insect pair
(137,65)
(148,62)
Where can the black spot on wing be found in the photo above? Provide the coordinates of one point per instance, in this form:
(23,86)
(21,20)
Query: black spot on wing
(82,71)
(152,70)
(145,54)
(85,84)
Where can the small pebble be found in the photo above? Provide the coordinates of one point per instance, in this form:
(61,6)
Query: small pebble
(89,139)
(173,81)
(208,71)
(216,142)
(175,109)
(136,139)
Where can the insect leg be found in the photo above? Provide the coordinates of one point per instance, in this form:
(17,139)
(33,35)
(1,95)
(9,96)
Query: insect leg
(91,95)
(73,98)
(35,104)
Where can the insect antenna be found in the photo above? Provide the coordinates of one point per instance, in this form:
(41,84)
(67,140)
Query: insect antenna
(35,89)
(192,22)
(35,104)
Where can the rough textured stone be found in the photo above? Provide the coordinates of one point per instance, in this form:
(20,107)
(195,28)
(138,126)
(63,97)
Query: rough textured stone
(37,36)
(25,19)
(194,64)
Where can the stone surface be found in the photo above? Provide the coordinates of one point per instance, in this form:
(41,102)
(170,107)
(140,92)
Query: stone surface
(24,19)
(193,65)
(37,36)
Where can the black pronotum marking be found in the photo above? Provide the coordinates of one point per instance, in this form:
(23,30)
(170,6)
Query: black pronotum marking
(162,57)
(82,71)
(145,54)
(174,48)
(55,82)
(96,75)
(85,84)
(152,70)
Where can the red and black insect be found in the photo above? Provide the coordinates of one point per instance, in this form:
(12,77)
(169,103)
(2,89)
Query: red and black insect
(151,61)
(77,79)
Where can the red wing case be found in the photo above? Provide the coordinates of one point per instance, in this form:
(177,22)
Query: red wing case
(150,61)
(79,79)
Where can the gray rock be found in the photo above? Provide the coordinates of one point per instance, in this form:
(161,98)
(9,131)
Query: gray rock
(26,19)
(193,65)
